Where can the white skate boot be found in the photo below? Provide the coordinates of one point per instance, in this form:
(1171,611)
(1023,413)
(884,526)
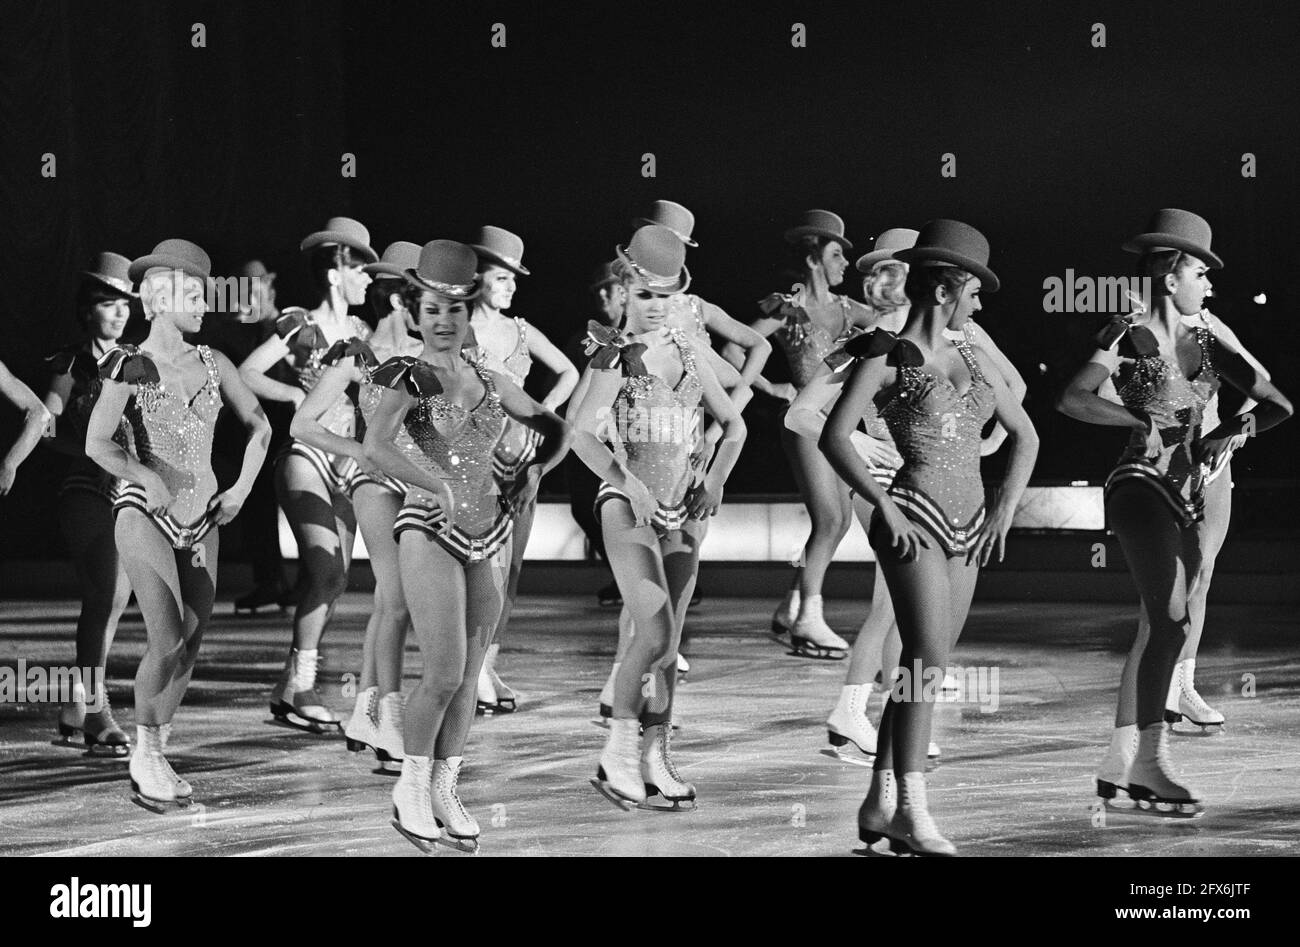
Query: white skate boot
(683,666)
(607,697)
(1152,782)
(183,789)
(413,804)
(912,830)
(154,784)
(784,617)
(1112,775)
(619,777)
(388,735)
(459,828)
(294,701)
(811,637)
(877,810)
(660,776)
(1185,703)
(494,695)
(848,723)
(360,731)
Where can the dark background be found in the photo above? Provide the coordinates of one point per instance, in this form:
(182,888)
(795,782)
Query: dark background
(1062,151)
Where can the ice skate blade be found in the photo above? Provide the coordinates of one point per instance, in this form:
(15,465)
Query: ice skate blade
(1202,729)
(157,806)
(356,746)
(613,795)
(108,751)
(657,802)
(900,847)
(805,648)
(871,840)
(603,723)
(284,716)
(428,846)
(1146,802)
(392,768)
(846,757)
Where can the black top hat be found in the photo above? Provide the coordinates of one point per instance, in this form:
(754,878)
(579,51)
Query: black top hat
(1174,229)
(952,243)
(887,244)
(656,258)
(502,247)
(819,223)
(672,215)
(446,268)
(399,256)
(173,255)
(113,272)
(344,231)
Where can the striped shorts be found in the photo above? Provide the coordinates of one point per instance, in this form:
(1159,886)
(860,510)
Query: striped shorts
(460,545)
(1187,510)
(924,512)
(666,519)
(180,535)
(339,474)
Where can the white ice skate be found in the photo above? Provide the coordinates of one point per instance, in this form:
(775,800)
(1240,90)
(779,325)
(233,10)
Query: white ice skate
(459,829)
(848,724)
(811,637)
(877,810)
(388,744)
(619,777)
(662,782)
(1152,782)
(784,617)
(413,805)
(1113,774)
(1185,703)
(607,698)
(154,784)
(294,701)
(360,731)
(912,830)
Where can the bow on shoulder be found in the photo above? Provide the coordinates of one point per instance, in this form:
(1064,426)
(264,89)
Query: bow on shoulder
(350,348)
(1134,341)
(415,375)
(899,353)
(74,356)
(607,348)
(294,322)
(129,365)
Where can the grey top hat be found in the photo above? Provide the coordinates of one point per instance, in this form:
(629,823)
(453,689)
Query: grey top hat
(819,223)
(399,256)
(447,268)
(887,244)
(672,215)
(173,255)
(603,276)
(952,243)
(344,231)
(1174,229)
(113,271)
(501,247)
(656,258)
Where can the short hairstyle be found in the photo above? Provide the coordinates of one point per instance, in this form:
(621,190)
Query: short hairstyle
(378,293)
(322,259)
(90,293)
(883,286)
(1155,265)
(922,281)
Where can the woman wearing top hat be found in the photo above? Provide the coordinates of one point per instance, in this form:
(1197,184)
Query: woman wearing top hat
(877,645)
(930,530)
(1165,375)
(508,345)
(646,387)
(167,506)
(376,721)
(315,486)
(807,323)
(454,528)
(86,493)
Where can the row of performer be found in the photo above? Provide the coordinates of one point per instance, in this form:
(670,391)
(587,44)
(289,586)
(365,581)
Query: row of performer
(413,426)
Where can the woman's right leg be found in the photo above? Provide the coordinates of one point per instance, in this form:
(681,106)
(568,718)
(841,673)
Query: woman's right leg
(86,519)
(868,657)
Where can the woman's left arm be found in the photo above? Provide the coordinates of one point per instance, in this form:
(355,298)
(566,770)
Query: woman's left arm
(755,346)
(1010,376)
(241,400)
(1270,409)
(36,418)
(544,350)
(556,434)
(705,497)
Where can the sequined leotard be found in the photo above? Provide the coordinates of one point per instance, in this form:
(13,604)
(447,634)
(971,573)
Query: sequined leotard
(307,349)
(805,342)
(79,362)
(872,424)
(656,424)
(173,438)
(456,444)
(686,312)
(518,446)
(369,394)
(937,432)
(1176,405)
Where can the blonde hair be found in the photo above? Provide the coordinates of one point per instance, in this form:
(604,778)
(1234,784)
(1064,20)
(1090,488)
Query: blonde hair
(883,287)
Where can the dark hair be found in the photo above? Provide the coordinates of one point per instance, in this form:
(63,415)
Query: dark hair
(90,293)
(322,259)
(922,281)
(1155,265)
(809,245)
(377,293)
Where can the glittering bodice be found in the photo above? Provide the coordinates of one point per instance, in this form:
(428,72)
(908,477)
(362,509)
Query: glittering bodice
(514,364)
(657,425)
(173,437)
(307,347)
(805,342)
(456,444)
(937,431)
(686,312)
(1176,406)
(370,393)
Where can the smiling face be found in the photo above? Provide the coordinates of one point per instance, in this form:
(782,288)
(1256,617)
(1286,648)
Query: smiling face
(352,282)
(831,261)
(442,322)
(107,318)
(498,287)
(177,297)
(646,311)
(1188,285)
